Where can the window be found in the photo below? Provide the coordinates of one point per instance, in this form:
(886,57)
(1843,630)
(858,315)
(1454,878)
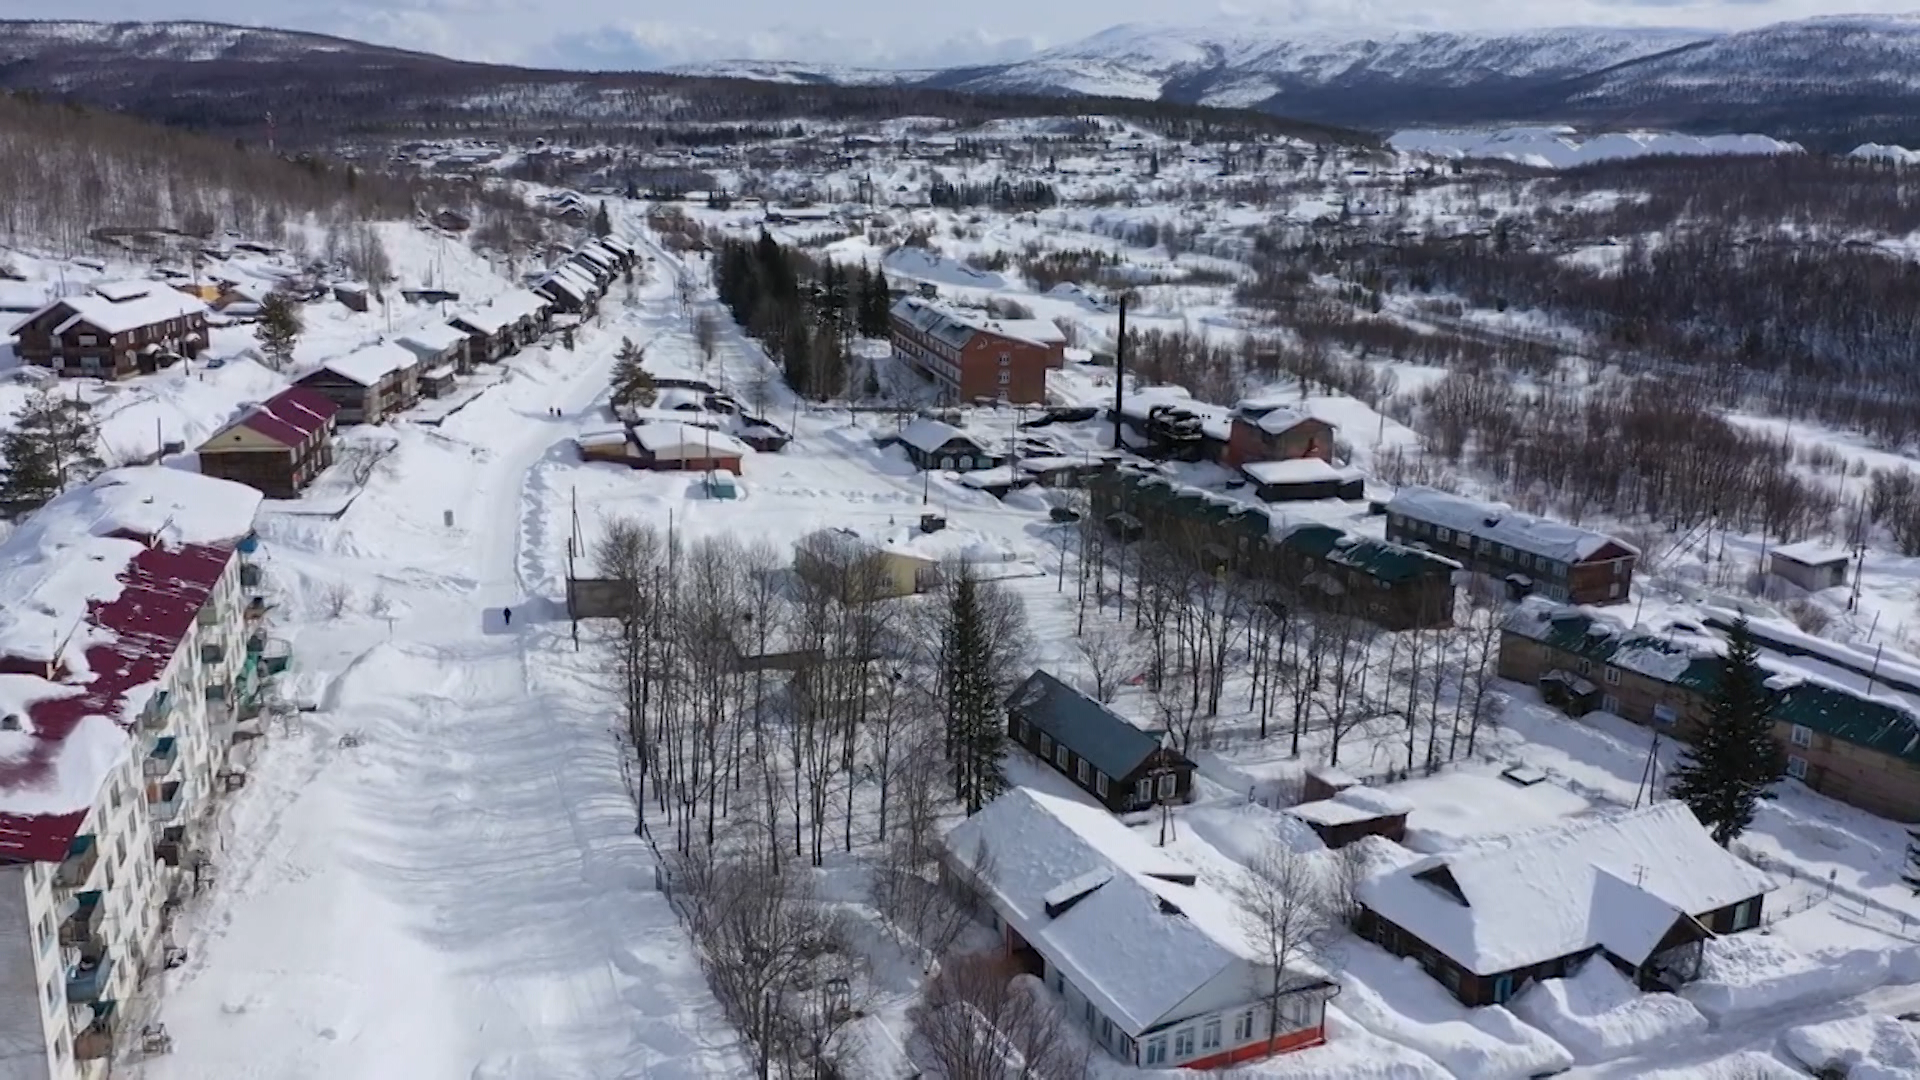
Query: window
(1620,567)
(1210,1035)
(1802,736)
(45,931)
(1106,1030)
(1168,785)
(1506,552)
(1143,791)
(1586,667)
(1443,534)
(1100,783)
(53,991)
(1243,1026)
(1613,590)
(1006,377)
(1083,771)
(89,339)
(1005,359)
(1609,703)
(1019,729)
(1797,767)
(1613,676)
(1746,914)
(1665,714)
(1046,745)
(1060,756)
(1156,1051)
(1087,1011)
(1183,1043)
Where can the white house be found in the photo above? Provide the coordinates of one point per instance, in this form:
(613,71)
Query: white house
(125,673)
(1155,962)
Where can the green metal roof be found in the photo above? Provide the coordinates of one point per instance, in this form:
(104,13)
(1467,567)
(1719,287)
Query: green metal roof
(1376,558)
(1570,630)
(1876,725)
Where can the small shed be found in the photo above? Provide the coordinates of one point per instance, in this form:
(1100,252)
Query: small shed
(722,485)
(437,382)
(1303,479)
(1812,566)
(1355,812)
(351,294)
(605,444)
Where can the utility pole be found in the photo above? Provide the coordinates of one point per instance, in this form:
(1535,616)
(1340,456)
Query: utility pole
(1119,371)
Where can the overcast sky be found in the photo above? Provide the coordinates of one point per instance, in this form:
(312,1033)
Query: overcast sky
(889,33)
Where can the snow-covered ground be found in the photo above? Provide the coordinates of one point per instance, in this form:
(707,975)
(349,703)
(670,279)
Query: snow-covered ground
(1565,148)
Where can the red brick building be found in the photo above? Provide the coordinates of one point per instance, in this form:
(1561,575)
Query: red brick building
(972,356)
(1269,431)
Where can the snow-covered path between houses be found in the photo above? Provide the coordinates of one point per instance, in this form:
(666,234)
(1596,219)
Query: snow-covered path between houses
(459,894)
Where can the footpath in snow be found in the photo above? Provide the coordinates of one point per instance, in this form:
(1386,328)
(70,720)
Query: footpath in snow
(433,874)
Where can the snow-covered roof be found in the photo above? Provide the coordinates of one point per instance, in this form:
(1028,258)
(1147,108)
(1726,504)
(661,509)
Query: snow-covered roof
(102,583)
(1310,470)
(375,362)
(292,416)
(1269,415)
(1617,881)
(674,440)
(1035,331)
(432,340)
(1503,524)
(502,311)
(1357,803)
(926,434)
(1216,421)
(1143,934)
(1812,553)
(137,309)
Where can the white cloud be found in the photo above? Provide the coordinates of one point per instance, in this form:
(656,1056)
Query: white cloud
(610,33)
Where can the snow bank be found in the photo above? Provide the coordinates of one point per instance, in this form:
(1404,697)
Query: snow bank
(1863,1047)
(1396,1000)
(1750,973)
(1598,1015)
(1351,1052)
(1745,1065)
(1564,148)
(923,265)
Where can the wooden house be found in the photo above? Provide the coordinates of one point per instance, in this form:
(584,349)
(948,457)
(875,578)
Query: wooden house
(278,446)
(370,384)
(118,330)
(931,444)
(1640,889)
(1532,554)
(1341,810)
(674,447)
(1121,765)
(1304,479)
(437,346)
(1151,963)
(864,569)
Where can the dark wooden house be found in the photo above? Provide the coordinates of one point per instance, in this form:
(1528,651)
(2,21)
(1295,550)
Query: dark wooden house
(1642,890)
(1532,554)
(118,330)
(1122,766)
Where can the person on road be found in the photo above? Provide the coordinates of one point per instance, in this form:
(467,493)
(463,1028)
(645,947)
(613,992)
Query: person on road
(506,615)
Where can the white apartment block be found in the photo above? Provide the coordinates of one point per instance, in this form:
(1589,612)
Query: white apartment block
(129,655)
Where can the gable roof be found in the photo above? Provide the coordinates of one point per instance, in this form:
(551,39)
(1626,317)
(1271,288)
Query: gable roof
(138,308)
(433,339)
(1502,524)
(926,435)
(1685,660)
(375,362)
(1617,882)
(1132,926)
(1085,726)
(292,416)
(1382,559)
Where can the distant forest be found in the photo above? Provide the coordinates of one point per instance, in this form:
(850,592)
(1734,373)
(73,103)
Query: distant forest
(79,181)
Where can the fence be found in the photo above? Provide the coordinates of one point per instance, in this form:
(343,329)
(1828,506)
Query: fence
(1848,903)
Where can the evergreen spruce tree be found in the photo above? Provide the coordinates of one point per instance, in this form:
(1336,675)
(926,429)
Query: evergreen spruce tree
(631,383)
(974,735)
(279,328)
(52,444)
(1734,760)
(796,356)
(602,225)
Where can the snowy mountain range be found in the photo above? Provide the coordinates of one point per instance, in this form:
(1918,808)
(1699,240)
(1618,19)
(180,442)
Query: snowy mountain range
(1823,80)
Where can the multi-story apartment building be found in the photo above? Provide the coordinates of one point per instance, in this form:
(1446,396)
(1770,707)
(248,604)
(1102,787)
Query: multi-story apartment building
(119,329)
(129,654)
(973,356)
(1532,554)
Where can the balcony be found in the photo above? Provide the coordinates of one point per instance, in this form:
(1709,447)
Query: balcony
(171,846)
(163,800)
(77,867)
(252,576)
(95,1041)
(209,614)
(256,609)
(161,759)
(158,713)
(213,652)
(82,928)
(87,979)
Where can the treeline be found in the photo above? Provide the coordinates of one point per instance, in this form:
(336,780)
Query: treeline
(78,180)
(1002,194)
(805,311)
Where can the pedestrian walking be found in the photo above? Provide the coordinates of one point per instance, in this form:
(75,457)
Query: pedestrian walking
(507,615)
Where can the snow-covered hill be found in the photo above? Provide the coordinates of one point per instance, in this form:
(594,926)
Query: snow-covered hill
(1565,148)
(192,42)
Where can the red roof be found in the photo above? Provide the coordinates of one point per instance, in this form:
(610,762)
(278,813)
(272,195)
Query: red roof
(292,416)
(164,589)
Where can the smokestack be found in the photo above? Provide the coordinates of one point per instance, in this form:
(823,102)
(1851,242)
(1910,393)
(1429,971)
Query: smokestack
(1119,370)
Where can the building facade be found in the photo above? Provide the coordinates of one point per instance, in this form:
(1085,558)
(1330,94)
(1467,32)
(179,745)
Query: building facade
(87,895)
(1122,766)
(1531,554)
(966,357)
(278,447)
(1270,431)
(119,331)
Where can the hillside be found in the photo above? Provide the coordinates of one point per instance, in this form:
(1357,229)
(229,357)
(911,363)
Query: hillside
(319,89)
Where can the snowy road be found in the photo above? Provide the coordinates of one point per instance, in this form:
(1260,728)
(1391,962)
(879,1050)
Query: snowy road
(459,896)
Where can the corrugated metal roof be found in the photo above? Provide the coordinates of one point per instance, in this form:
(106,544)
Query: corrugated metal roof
(292,416)
(1380,559)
